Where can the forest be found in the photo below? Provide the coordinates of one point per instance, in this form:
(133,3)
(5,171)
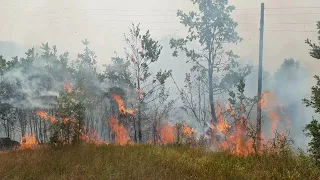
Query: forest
(48,99)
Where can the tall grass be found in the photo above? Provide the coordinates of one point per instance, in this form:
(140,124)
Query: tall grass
(151,162)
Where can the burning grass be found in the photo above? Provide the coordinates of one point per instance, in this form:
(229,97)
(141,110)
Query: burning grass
(150,162)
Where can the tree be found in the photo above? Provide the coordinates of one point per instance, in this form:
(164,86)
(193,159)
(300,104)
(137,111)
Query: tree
(118,73)
(8,113)
(194,97)
(70,123)
(211,27)
(315,49)
(119,76)
(142,52)
(313,128)
(87,82)
(239,110)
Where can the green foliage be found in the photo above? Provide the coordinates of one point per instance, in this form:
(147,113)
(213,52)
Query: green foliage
(314,102)
(313,128)
(70,119)
(210,29)
(315,49)
(313,131)
(142,52)
(118,73)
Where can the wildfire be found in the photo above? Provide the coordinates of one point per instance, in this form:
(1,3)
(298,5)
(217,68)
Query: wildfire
(167,133)
(235,140)
(28,142)
(269,105)
(234,136)
(122,135)
(45,116)
(120,102)
(188,131)
(93,138)
(222,125)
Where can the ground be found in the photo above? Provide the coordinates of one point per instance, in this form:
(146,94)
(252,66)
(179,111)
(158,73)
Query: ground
(151,162)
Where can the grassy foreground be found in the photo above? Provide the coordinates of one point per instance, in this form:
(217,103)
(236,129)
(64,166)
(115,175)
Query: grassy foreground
(150,162)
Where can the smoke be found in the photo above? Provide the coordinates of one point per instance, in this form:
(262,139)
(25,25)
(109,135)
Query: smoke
(26,82)
(32,80)
(290,84)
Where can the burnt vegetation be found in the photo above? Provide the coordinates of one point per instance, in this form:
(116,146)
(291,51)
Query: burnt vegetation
(77,120)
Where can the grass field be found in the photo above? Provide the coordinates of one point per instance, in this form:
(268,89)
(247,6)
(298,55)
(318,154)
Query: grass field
(150,162)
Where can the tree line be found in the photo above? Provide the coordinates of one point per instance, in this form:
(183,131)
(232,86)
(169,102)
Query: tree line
(40,82)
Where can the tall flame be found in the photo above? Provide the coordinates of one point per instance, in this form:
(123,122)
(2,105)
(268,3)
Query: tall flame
(167,133)
(269,105)
(235,140)
(120,102)
(122,135)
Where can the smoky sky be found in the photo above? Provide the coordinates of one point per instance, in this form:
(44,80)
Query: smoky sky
(66,23)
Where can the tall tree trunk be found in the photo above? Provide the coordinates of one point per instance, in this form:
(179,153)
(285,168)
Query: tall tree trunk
(139,106)
(36,127)
(135,130)
(40,131)
(139,124)
(7,128)
(30,122)
(22,121)
(212,108)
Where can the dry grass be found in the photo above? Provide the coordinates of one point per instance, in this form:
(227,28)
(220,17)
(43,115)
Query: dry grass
(150,162)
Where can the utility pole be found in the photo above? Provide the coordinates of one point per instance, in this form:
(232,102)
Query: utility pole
(260,79)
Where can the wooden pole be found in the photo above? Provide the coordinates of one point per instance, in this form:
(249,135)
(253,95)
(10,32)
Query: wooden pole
(260,78)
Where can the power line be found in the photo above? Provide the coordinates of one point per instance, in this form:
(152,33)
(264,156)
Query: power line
(177,22)
(108,9)
(185,29)
(172,15)
(303,7)
(284,30)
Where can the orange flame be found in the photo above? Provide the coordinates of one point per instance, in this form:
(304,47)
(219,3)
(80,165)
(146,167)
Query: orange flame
(92,138)
(122,135)
(236,140)
(269,103)
(28,142)
(45,116)
(167,133)
(222,125)
(188,131)
(120,102)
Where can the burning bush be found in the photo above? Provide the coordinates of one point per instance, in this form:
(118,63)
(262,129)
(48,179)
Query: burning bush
(29,142)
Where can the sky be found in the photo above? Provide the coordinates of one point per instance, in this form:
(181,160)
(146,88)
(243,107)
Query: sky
(103,23)
(28,23)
